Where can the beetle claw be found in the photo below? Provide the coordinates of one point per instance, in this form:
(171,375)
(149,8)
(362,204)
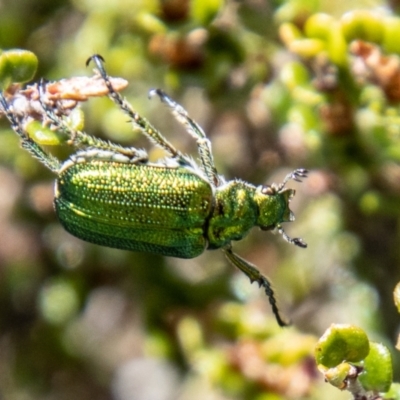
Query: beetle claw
(96,58)
(299,242)
(296,241)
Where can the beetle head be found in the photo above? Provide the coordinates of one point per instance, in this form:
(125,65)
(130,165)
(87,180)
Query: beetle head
(273,204)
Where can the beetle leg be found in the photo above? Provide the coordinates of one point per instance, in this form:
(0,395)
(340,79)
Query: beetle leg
(203,143)
(82,138)
(27,143)
(254,275)
(296,241)
(145,126)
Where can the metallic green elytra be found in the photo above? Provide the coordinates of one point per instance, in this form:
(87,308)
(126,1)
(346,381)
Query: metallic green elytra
(136,207)
(113,196)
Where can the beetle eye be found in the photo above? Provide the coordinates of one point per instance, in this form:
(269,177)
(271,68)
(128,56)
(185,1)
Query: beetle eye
(268,190)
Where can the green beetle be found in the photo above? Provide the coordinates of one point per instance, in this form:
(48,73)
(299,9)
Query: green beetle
(113,196)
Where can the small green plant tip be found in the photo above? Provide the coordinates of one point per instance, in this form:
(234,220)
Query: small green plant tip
(43,135)
(307,48)
(303,116)
(391,34)
(204,11)
(337,46)
(371,202)
(150,23)
(396,296)
(341,343)
(393,393)
(295,10)
(17,66)
(289,32)
(337,376)
(76,119)
(294,74)
(378,371)
(318,26)
(363,25)
(113,196)
(58,301)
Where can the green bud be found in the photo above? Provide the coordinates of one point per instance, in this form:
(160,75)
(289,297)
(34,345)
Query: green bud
(43,135)
(58,301)
(393,393)
(341,343)
(307,48)
(378,371)
(204,11)
(362,24)
(336,376)
(396,296)
(295,10)
(391,33)
(337,46)
(76,119)
(289,32)
(17,66)
(150,23)
(302,115)
(294,74)
(318,26)
(370,202)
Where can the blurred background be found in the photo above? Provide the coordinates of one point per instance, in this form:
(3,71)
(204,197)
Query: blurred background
(277,86)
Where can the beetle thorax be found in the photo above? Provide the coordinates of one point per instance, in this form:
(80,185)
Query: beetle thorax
(235,213)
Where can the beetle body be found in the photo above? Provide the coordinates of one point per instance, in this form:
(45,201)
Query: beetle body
(150,208)
(113,196)
(161,209)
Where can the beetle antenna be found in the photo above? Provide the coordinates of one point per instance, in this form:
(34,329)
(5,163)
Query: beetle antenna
(296,241)
(296,175)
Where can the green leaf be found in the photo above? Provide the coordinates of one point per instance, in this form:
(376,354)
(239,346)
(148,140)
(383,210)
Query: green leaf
(363,25)
(341,343)
(391,32)
(378,371)
(336,376)
(318,26)
(337,46)
(396,296)
(393,393)
(43,135)
(204,11)
(17,66)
